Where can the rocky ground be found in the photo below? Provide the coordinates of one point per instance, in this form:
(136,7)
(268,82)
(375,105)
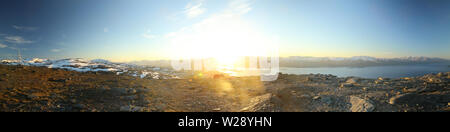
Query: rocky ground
(31,88)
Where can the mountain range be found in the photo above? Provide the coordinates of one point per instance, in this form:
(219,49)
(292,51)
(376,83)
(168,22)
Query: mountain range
(356,61)
(292,61)
(306,61)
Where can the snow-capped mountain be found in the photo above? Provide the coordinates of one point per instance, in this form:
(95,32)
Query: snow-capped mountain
(306,61)
(97,65)
(356,61)
(361,58)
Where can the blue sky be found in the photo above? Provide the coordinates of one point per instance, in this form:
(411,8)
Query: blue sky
(126,30)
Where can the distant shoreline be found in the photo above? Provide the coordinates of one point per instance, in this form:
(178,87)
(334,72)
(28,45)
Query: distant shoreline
(389,71)
(363,66)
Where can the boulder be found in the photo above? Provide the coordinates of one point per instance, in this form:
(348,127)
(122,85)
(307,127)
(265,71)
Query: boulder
(440,74)
(260,104)
(380,78)
(406,78)
(434,80)
(131,91)
(316,97)
(352,80)
(361,105)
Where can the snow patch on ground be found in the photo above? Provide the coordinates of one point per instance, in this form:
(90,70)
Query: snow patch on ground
(96,65)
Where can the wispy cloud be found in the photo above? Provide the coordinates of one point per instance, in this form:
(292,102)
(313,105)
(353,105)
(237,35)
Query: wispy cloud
(240,6)
(232,12)
(56,50)
(25,28)
(194,9)
(148,35)
(3,45)
(105,30)
(17,40)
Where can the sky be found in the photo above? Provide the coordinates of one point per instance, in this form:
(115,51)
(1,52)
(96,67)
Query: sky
(130,30)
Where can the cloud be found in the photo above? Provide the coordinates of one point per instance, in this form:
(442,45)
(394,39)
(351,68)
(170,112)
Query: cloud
(24,28)
(240,6)
(105,30)
(17,40)
(56,50)
(3,45)
(231,13)
(149,36)
(194,9)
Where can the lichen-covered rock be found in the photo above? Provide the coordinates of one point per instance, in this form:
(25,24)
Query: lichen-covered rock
(361,105)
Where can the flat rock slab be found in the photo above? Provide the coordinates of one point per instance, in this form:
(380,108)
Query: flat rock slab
(361,105)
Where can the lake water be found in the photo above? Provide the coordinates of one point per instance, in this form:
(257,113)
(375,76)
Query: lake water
(373,72)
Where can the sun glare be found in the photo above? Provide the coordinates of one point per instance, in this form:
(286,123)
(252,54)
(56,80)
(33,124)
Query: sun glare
(226,38)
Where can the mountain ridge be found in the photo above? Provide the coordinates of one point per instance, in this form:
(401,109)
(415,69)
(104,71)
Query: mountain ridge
(291,61)
(355,61)
(308,61)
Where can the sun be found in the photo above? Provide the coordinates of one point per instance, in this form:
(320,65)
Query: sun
(227,61)
(226,39)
